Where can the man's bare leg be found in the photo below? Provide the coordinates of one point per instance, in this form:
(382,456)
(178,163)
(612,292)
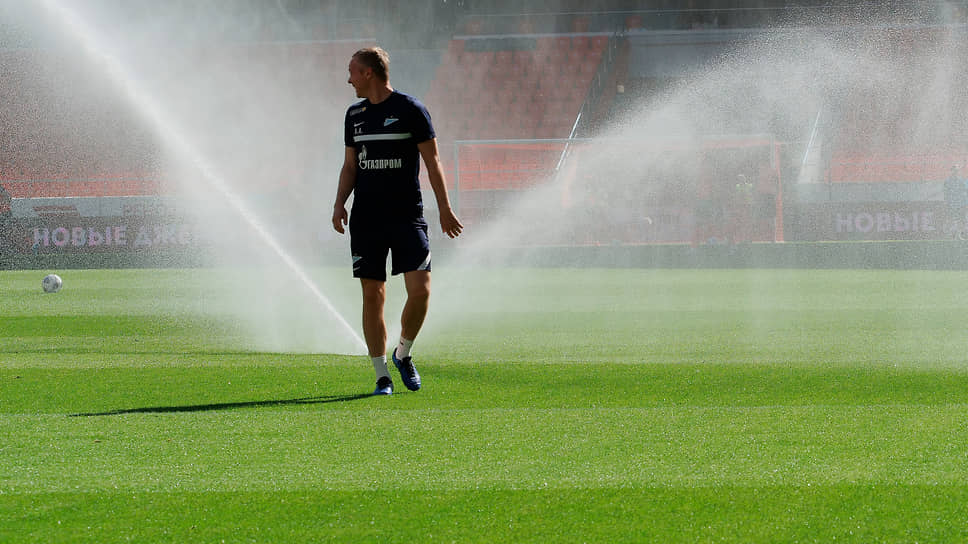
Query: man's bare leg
(374,326)
(418,300)
(412,319)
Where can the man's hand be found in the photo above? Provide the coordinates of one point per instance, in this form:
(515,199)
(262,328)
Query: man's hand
(448,220)
(340,218)
(449,223)
(347,180)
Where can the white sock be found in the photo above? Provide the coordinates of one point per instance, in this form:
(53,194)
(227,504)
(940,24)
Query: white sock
(380,366)
(403,348)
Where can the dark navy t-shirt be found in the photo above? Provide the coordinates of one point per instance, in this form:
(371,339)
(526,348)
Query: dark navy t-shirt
(385,137)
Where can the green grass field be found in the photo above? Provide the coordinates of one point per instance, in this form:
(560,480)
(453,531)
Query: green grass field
(558,406)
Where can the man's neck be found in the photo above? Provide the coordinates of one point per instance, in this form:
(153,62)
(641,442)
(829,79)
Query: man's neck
(380,94)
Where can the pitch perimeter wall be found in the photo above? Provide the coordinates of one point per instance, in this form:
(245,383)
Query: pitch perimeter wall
(899,255)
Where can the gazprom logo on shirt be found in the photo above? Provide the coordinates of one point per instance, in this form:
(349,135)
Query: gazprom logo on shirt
(377,164)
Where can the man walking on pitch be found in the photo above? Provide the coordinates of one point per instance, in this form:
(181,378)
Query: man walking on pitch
(386,134)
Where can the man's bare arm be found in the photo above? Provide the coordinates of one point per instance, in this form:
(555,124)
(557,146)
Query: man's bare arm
(347,181)
(449,222)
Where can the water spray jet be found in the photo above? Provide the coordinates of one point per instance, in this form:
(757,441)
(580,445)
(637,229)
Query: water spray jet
(179,143)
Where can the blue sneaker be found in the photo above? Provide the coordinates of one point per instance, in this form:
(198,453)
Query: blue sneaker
(384,386)
(408,372)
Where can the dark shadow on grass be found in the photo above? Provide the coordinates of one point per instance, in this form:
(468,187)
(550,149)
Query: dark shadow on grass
(227,405)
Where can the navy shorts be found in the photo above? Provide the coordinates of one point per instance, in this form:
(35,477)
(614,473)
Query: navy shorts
(371,241)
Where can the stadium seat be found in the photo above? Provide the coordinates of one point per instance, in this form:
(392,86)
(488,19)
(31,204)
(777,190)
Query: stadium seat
(570,70)
(550,71)
(476,68)
(545,131)
(455,47)
(522,57)
(588,66)
(506,95)
(17,189)
(576,95)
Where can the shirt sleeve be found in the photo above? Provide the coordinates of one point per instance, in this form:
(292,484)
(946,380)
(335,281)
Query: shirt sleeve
(423,127)
(347,130)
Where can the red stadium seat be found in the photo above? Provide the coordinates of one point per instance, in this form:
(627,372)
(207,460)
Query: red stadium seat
(545,131)
(570,69)
(491,83)
(536,107)
(517,108)
(588,67)
(456,46)
(598,43)
(550,71)
(576,94)
(544,44)
(494,110)
(476,68)
(523,58)
(559,93)
(17,189)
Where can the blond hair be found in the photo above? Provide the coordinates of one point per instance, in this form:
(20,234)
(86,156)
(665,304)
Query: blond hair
(376,59)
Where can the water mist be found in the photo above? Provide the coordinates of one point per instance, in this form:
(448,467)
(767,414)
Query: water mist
(793,87)
(230,129)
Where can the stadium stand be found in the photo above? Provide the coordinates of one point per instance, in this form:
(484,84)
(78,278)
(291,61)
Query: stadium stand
(63,133)
(514,88)
(484,88)
(907,128)
(519,87)
(69,132)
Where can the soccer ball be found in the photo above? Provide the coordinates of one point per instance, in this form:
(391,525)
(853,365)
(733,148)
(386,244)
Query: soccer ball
(51,283)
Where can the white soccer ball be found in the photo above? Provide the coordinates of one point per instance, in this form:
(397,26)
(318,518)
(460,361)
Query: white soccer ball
(52,283)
